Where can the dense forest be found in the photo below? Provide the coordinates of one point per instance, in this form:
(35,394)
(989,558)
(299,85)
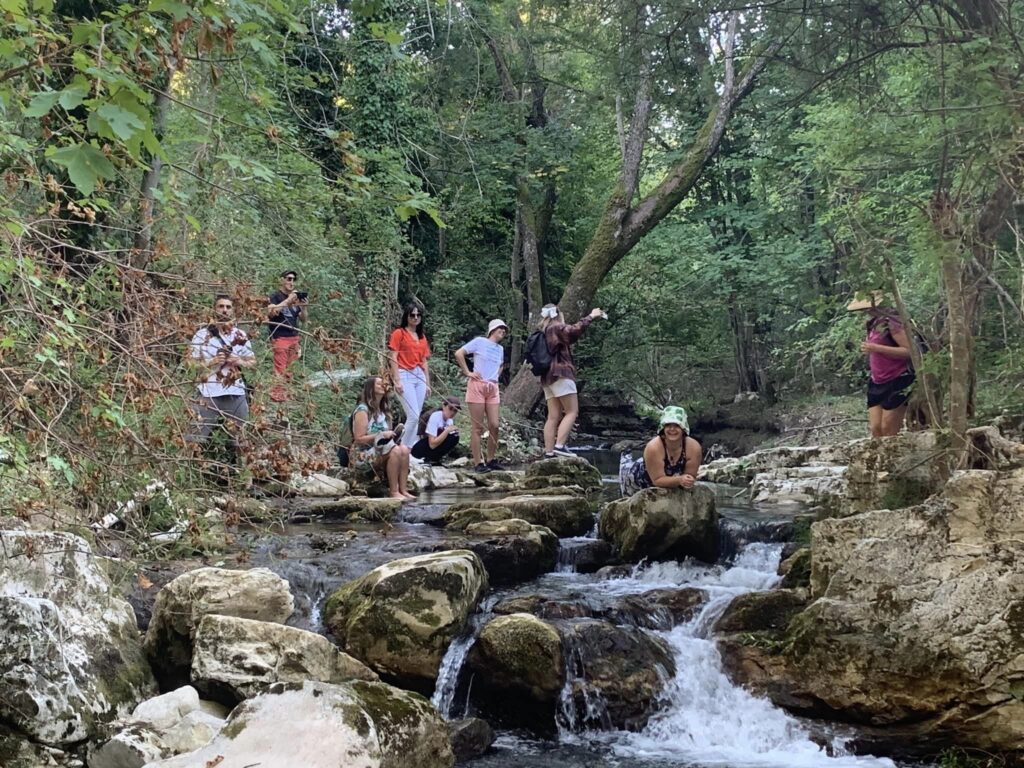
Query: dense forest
(721,179)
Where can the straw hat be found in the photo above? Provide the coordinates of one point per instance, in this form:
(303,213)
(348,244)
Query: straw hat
(868,300)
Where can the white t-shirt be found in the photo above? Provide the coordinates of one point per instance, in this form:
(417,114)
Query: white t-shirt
(205,346)
(437,422)
(487,357)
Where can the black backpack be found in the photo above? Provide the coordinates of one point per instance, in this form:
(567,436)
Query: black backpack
(537,353)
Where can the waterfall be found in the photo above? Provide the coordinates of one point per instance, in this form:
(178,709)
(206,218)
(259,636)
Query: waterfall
(454,659)
(706,719)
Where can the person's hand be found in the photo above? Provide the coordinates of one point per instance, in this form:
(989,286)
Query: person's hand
(867,347)
(399,388)
(597,312)
(687,481)
(387,434)
(293,298)
(475,375)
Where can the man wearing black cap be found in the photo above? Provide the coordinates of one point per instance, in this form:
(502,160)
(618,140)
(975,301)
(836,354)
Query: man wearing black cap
(283,315)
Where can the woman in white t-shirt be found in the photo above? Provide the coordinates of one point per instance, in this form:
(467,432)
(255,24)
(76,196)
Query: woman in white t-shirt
(438,433)
(482,390)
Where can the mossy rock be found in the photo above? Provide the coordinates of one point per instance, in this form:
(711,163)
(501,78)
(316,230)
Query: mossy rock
(663,524)
(795,570)
(519,653)
(762,611)
(458,516)
(566,514)
(400,617)
(562,471)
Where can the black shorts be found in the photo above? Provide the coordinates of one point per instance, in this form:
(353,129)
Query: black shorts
(892,394)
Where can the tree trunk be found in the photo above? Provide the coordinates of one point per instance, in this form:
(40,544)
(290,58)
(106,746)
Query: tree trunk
(151,178)
(621,226)
(960,350)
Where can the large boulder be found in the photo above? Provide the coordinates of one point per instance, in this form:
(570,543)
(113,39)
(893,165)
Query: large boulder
(399,618)
(822,485)
(161,727)
(918,621)
(661,524)
(566,514)
(560,472)
(520,654)
(255,594)
(513,551)
(616,675)
(234,659)
(71,656)
(320,725)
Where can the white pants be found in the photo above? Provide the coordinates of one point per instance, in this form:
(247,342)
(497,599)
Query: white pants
(414,393)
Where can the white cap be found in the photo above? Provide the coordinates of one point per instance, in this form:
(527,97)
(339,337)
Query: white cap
(495,323)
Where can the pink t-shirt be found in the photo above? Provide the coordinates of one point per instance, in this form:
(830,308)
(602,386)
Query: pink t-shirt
(883,367)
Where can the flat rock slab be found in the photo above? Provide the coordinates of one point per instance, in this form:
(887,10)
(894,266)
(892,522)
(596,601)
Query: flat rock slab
(357,507)
(565,514)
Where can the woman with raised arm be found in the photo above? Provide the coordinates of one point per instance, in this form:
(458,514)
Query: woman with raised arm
(559,381)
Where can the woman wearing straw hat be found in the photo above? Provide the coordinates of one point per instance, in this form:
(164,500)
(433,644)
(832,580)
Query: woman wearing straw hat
(889,358)
(482,392)
(670,460)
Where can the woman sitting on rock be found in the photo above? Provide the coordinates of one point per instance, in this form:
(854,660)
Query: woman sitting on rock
(373,442)
(670,460)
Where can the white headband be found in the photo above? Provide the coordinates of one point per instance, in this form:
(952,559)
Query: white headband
(551,312)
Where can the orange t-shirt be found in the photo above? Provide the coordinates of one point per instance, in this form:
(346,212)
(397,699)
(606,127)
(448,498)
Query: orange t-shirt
(412,350)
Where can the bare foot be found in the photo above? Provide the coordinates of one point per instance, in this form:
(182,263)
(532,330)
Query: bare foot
(397,495)
(408,495)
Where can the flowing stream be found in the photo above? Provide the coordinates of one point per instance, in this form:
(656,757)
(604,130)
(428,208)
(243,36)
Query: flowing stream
(704,722)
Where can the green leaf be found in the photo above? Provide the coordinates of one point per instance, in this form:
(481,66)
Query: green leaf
(85,164)
(73,96)
(176,9)
(41,103)
(122,123)
(14,228)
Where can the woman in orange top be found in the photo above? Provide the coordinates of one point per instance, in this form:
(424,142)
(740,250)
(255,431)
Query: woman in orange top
(408,350)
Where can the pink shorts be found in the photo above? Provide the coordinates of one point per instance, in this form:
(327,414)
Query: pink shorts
(485,392)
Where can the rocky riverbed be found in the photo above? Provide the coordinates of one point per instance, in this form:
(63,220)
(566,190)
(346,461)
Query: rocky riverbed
(830,603)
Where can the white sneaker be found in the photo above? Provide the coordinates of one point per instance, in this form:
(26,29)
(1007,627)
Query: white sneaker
(413,461)
(561,450)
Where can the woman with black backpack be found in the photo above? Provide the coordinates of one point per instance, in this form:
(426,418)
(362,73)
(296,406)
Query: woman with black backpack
(559,380)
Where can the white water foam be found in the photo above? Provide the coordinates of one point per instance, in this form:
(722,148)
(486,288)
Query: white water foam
(708,721)
(454,659)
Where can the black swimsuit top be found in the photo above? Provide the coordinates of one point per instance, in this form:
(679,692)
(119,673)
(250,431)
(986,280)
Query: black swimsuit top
(680,466)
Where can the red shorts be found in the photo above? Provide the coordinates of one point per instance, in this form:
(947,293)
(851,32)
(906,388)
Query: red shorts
(485,392)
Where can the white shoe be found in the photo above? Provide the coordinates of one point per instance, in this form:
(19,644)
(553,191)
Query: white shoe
(563,451)
(413,461)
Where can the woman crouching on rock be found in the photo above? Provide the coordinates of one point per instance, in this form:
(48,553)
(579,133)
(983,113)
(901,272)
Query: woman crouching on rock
(670,460)
(374,442)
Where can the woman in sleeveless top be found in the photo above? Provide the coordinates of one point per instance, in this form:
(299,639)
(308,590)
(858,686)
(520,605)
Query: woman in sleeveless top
(670,460)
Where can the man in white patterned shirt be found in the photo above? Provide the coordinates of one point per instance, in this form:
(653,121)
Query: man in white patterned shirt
(220,351)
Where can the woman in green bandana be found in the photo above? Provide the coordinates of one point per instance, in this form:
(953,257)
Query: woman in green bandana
(670,460)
